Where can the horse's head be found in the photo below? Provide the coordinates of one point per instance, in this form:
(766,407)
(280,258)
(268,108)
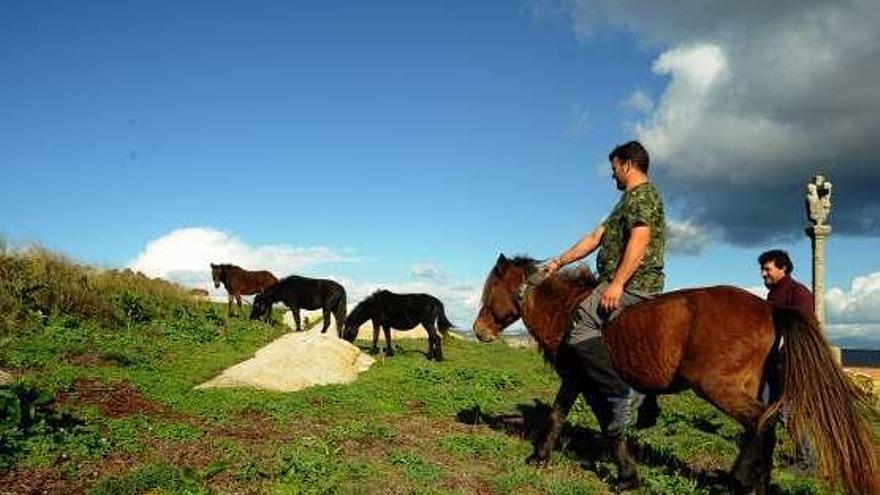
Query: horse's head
(356,318)
(499,307)
(217,274)
(262,308)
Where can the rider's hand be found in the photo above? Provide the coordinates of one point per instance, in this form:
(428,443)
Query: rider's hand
(551,267)
(611,297)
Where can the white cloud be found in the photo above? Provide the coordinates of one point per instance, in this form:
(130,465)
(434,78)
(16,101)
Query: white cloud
(859,305)
(754,105)
(638,101)
(426,271)
(685,237)
(184,256)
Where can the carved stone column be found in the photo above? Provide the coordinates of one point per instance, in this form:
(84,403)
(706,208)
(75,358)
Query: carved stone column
(818,203)
(818,234)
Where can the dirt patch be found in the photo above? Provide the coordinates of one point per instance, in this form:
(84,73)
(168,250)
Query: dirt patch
(116,400)
(253,426)
(39,481)
(89,359)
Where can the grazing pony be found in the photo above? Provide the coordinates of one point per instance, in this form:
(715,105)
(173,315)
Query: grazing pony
(388,310)
(718,341)
(304,293)
(239,282)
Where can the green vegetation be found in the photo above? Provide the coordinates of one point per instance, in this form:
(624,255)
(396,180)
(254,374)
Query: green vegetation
(104,403)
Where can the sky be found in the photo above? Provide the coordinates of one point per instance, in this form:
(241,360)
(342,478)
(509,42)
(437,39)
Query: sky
(406,144)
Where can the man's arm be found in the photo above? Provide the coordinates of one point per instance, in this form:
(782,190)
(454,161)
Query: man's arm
(633,255)
(582,248)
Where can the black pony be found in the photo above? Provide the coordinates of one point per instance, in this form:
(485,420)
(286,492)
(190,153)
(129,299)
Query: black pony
(388,310)
(304,293)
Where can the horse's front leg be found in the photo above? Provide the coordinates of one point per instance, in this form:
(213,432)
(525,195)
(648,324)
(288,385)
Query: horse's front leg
(565,397)
(389,351)
(375,349)
(238,300)
(296,321)
(231,300)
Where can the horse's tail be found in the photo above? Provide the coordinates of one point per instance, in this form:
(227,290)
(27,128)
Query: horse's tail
(821,402)
(443,323)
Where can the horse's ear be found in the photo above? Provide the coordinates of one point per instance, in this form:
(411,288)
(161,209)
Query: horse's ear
(213,265)
(502,260)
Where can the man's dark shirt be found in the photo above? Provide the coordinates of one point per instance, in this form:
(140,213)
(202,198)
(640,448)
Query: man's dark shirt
(790,293)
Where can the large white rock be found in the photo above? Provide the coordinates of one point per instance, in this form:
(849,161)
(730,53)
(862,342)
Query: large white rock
(296,361)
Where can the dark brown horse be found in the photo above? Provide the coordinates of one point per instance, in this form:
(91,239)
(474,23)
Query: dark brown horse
(717,341)
(240,282)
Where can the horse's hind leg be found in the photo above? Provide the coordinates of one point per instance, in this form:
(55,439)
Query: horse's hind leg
(434,349)
(326,312)
(751,471)
(565,397)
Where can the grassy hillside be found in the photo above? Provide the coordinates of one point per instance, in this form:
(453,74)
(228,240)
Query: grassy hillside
(103,403)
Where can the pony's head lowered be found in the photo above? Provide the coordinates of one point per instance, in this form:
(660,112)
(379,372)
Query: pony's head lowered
(360,314)
(499,307)
(262,307)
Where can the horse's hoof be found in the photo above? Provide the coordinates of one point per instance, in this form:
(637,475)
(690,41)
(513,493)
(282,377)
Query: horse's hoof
(537,461)
(627,484)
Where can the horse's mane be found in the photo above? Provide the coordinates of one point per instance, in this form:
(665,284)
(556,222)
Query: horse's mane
(580,276)
(227,266)
(566,287)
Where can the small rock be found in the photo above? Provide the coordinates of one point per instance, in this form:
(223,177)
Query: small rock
(6,379)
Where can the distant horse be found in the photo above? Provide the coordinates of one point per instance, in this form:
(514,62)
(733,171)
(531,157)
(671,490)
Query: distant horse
(720,342)
(388,310)
(239,282)
(304,293)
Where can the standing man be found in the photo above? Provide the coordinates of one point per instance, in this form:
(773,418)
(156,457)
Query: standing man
(632,243)
(785,291)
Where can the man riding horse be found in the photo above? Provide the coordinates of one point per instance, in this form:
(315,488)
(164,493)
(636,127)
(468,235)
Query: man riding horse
(631,242)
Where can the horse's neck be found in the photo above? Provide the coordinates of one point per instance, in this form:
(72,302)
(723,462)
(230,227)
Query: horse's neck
(229,274)
(547,310)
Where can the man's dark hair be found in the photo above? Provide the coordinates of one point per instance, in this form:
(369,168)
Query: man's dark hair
(634,151)
(779,258)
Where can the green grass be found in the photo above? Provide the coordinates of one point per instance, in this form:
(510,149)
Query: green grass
(408,425)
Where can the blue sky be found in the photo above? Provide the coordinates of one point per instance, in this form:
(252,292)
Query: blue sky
(395,143)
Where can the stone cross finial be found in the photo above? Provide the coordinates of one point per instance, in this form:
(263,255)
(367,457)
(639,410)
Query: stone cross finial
(818,199)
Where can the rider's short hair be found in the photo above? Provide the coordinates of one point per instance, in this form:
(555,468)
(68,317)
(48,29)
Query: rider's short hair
(634,151)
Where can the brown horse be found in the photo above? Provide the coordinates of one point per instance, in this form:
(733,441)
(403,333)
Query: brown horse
(720,342)
(239,282)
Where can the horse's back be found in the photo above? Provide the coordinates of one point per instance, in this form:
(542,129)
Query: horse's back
(687,333)
(309,293)
(406,311)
